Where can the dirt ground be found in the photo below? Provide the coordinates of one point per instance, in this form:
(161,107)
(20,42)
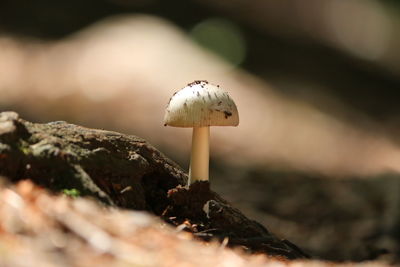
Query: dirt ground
(41,229)
(337,219)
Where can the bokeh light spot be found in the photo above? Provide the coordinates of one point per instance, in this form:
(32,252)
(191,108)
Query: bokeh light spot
(222,37)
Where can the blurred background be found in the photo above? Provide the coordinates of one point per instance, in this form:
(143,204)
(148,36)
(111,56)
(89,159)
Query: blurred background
(316,157)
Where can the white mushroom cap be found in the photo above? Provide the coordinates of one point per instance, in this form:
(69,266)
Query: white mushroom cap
(201,104)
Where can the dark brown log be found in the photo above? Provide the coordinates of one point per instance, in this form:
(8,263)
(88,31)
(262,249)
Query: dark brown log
(126,171)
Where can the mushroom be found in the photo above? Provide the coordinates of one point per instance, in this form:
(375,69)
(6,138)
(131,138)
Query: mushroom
(200,105)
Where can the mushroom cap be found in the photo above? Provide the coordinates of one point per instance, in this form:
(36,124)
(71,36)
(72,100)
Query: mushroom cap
(201,104)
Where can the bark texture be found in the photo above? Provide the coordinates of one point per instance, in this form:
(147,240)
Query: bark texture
(126,171)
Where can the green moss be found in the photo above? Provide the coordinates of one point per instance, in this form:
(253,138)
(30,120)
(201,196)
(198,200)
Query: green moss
(74,193)
(25,150)
(23,146)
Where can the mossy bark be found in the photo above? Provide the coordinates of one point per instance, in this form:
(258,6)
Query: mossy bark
(125,171)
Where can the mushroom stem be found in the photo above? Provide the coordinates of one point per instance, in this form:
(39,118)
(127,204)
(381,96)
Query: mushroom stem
(199,159)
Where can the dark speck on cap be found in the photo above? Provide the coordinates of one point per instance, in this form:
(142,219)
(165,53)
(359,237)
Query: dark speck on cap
(227,114)
(197,82)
